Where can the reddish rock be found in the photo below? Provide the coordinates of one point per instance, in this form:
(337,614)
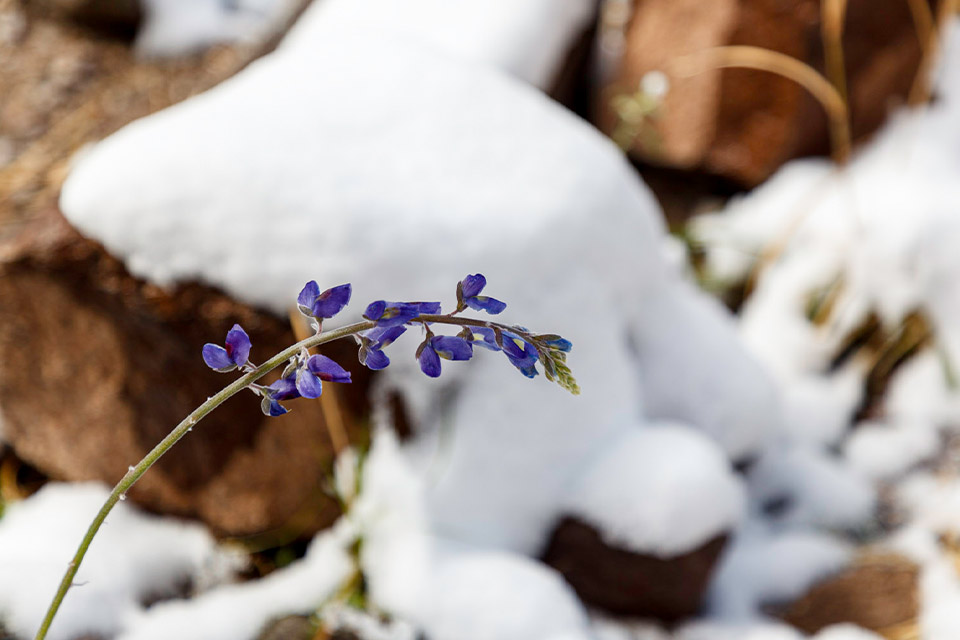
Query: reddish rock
(743,124)
(879,593)
(624,582)
(97,366)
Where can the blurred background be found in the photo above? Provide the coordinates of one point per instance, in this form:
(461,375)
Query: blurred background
(743,213)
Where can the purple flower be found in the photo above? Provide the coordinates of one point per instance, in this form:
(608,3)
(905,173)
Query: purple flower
(521,354)
(373,342)
(391,314)
(235,354)
(319,305)
(318,368)
(468,292)
(488,338)
(283,389)
(446,347)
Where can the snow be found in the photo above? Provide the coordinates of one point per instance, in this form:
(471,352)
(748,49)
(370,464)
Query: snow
(487,595)
(663,490)
(134,557)
(810,487)
(765,567)
(238,612)
(180,27)
(879,450)
(528,39)
(473,171)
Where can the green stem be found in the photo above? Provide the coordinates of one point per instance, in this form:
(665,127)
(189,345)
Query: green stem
(241,383)
(134,474)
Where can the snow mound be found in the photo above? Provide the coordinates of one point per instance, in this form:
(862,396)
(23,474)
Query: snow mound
(266,182)
(482,595)
(134,557)
(764,567)
(528,39)
(799,485)
(181,27)
(238,612)
(664,490)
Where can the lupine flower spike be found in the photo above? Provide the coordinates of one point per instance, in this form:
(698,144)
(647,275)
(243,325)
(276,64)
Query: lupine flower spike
(303,374)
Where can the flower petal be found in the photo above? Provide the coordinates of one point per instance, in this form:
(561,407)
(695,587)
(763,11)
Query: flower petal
(238,345)
(308,295)
(271,407)
(327,369)
(451,347)
(383,336)
(375,310)
(485,303)
(217,358)
(473,285)
(284,388)
(488,338)
(332,301)
(429,362)
(308,385)
(373,358)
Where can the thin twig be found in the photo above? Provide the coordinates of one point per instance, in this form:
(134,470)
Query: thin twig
(747,57)
(832,14)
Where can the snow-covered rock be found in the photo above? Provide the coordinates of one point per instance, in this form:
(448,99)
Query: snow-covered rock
(134,557)
(659,491)
(179,27)
(238,612)
(401,174)
(800,486)
(528,39)
(487,595)
(765,567)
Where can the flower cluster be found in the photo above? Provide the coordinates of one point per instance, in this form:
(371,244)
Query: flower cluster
(305,373)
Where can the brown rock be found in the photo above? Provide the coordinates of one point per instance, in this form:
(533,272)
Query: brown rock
(743,124)
(97,366)
(628,583)
(879,593)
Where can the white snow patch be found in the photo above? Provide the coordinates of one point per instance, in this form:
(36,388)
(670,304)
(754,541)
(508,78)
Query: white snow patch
(846,632)
(884,450)
(482,595)
(239,612)
(134,556)
(763,567)
(528,39)
(662,490)
(180,27)
(714,630)
(811,487)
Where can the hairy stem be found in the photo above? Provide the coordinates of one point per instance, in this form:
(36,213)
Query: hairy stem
(135,472)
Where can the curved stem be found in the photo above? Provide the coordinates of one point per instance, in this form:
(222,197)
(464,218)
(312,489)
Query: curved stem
(134,474)
(742,56)
(185,426)
(832,14)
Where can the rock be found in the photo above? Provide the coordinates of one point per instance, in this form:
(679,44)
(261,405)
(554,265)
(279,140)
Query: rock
(879,592)
(120,18)
(98,366)
(629,583)
(743,124)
